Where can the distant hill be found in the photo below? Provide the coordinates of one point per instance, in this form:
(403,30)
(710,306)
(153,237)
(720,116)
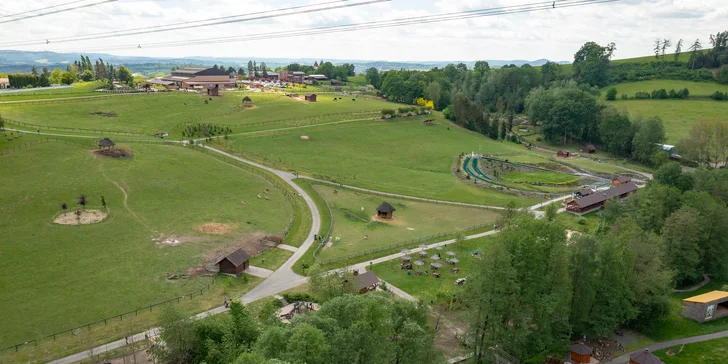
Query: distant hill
(22,61)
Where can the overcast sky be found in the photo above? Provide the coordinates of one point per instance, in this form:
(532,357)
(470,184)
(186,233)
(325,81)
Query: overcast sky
(555,34)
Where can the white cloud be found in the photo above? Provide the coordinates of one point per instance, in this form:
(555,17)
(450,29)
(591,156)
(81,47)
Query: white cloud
(555,34)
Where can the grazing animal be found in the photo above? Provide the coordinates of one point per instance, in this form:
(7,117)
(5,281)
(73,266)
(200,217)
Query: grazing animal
(259,196)
(205,101)
(353,99)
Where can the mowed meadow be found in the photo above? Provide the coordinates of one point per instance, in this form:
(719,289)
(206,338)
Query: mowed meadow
(56,277)
(400,156)
(155,113)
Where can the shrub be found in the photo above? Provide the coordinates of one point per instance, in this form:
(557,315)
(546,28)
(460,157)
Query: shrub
(625,97)
(719,96)
(723,74)
(295,297)
(388,112)
(581,221)
(612,94)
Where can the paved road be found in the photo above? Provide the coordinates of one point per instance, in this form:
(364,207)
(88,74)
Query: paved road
(287,247)
(666,344)
(258,272)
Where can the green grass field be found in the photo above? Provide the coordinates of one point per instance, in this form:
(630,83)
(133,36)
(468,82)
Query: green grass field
(161,112)
(353,220)
(78,90)
(678,115)
(540,177)
(424,287)
(707,352)
(684,57)
(57,277)
(401,156)
(702,89)
(272,259)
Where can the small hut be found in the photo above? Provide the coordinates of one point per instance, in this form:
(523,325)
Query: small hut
(385,210)
(335,82)
(620,180)
(580,353)
(707,306)
(247,100)
(213,90)
(310,97)
(106,143)
(366,282)
(644,357)
(563,153)
(234,263)
(589,148)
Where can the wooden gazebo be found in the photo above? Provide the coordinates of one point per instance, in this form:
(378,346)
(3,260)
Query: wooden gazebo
(385,210)
(106,143)
(580,353)
(247,100)
(644,357)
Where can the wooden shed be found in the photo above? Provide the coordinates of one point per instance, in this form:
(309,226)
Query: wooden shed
(563,153)
(366,282)
(385,210)
(234,263)
(644,357)
(589,148)
(705,307)
(620,180)
(213,90)
(580,353)
(106,143)
(310,97)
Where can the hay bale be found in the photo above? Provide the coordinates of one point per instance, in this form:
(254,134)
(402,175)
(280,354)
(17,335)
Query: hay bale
(304,137)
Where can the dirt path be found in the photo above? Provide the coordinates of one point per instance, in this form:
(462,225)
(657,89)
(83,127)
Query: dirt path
(126,197)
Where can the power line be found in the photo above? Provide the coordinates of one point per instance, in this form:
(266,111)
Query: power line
(42,9)
(54,11)
(506,10)
(205,22)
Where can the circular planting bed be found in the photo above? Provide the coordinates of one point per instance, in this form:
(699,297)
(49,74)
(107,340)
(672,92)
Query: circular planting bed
(81,217)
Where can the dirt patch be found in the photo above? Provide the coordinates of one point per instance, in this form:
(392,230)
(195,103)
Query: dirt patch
(216,228)
(253,244)
(106,114)
(113,153)
(172,240)
(249,107)
(80,217)
(386,221)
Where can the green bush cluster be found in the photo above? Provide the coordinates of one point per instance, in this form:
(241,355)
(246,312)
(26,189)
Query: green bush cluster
(662,94)
(719,96)
(204,130)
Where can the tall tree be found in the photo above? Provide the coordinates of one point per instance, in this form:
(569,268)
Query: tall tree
(678,49)
(264,69)
(591,63)
(665,43)
(251,72)
(648,134)
(694,49)
(255,69)
(34,71)
(658,47)
(682,234)
(615,130)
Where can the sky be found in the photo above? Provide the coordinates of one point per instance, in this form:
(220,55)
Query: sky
(554,34)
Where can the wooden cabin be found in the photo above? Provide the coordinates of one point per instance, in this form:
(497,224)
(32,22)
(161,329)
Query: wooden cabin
(644,357)
(596,200)
(563,153)
(310,97)
(234,263)
(707,306)
(385,210)
(366,282)
(589,148)
(620,180)
(106,143)
(580,353)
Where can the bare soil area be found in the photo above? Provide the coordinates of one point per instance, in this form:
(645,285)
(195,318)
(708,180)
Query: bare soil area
(84,218)
(216,228)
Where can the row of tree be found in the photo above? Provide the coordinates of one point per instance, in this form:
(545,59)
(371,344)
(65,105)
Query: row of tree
(328,69)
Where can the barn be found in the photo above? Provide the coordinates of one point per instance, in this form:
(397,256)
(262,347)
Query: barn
(620,180)
(589,148)
(234,263)
(385,210)
(563,153)
(580,353)
(705,307)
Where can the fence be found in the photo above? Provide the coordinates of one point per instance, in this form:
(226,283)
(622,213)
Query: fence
(33,142)
(403,244)
(331,219)
(78,130)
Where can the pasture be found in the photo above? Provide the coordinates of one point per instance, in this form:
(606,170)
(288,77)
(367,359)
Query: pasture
(80,89)
(400,156)
(697,89)
(540,177)
(678,115)
(171,209)
(358,229)
(156,113)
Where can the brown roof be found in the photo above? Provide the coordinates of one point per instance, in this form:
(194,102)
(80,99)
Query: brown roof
(645,357)
(237,257)
(564,151)
(602,196)
(585,192)
(624,179)
(386,207)
(199,80)
(581,349)
(590,147)
(106,142)
(366,280)
(310,95)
